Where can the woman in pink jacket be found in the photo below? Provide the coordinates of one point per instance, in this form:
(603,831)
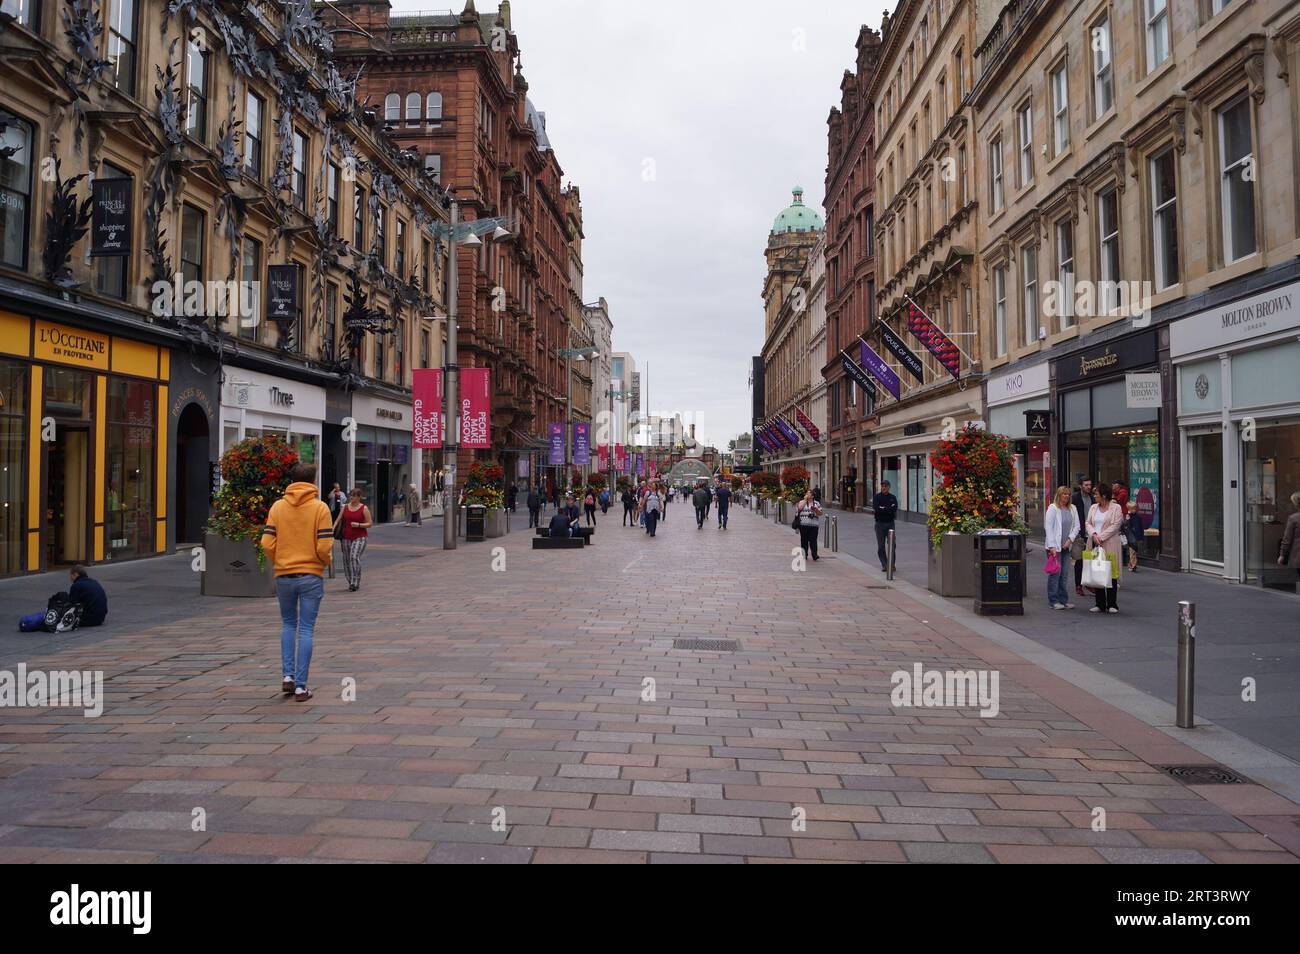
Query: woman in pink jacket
(1105,518)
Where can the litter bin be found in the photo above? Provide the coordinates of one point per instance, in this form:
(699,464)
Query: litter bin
(1000,573)
(475,520)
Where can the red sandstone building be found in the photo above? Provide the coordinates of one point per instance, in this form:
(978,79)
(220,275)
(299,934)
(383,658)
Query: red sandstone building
(449,86)
(850,274)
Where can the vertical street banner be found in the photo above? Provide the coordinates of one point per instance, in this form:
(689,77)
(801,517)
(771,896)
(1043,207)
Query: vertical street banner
(640,465)
(881,371)
(602,457)
(475,408)
(653,469)
(110,217)
(859,376)
(555,434)
(620,458)
(813,431)
(426,394)
(936,342)
(581,444)
(899,349)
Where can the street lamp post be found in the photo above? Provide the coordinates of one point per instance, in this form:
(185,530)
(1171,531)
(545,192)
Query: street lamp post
(569,354)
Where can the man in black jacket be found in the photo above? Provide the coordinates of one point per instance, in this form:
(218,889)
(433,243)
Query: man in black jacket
(701,498)
(91,596)
(1081,501)
(534,506)
(885,506)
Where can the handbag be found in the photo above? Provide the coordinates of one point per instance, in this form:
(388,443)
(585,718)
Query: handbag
(1076,550)
(794,524)
(1096,569)
(1053,566)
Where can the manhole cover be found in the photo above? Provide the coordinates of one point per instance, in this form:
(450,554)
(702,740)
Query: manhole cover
(1204,774)
(708,645)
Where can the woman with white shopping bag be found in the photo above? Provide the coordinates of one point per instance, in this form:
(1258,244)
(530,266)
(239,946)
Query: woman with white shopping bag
(1060,527)
(1105,519)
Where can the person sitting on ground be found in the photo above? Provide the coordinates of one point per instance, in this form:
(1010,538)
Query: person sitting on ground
(91,596)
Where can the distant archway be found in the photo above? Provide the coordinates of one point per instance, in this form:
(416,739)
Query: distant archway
(688,472)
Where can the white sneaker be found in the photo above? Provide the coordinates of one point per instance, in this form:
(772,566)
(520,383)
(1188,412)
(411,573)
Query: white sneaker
(1058,606)
(1112,610)
(1094,609)
(1069,606)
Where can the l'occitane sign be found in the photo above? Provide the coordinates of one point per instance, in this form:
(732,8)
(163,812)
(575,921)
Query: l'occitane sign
(70,346)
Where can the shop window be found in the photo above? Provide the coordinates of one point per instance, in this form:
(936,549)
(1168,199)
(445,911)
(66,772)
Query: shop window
(1271,468)
(15,191)
(1206,471)
(13,459)
(129,468)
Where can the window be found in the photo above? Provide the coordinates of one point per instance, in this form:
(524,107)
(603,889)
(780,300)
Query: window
(433,108)
(1065,270)
(424,265)
(111,270)
(329,347)
(996,195)
(254,108)
(943,100)
(379,356)
(1029,271)
(299,170)
(425,353)
(1218,6)
(1025,142)
(1237,180)
(1102,93)
(400,267)
(196,102)
(192,231)
(871,233)
(251,276)
(121,44)
(15,192)
(433,166)
(1157,13)
(1108,259)
(399,352)
(127,481)
(999,311)
(1164,219)
(359,217)
(24,11)
(1060,110)
(412,109)
(332,197)
(381,238)
(392,108)
(959,75)
(961,172)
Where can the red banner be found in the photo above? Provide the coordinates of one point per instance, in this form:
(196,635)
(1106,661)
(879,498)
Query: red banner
(427,422)
(620,458)
(602,457)
(475,408)
(807,425)
(935,341)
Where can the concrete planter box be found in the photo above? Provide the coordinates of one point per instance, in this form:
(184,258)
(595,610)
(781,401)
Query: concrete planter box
(494,524)
(232,569)
(952,565)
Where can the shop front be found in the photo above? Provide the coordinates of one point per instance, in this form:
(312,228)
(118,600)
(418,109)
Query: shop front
(83,446)
(1238,371)
(906,437)
(1109,401)
(1019,408)
(254,404)
(383,463)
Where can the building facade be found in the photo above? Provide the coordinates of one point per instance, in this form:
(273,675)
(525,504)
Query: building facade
(600,332)
(850,273)
(926,215)
(256,259)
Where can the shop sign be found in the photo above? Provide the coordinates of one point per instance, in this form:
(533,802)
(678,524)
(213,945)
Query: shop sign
(1103,361)
(1268,313)
(1038,424)
(1142,390)
(110,221)
(911,430)
(70,346)
(1144,477)
(1018,385)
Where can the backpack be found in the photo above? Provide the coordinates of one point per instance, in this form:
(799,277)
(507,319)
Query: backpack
(590,501)
(62,615)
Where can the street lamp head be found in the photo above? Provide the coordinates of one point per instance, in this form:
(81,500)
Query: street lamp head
(471,239)
(501,234)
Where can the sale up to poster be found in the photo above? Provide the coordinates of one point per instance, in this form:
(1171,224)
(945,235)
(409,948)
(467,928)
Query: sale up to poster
(1144,477)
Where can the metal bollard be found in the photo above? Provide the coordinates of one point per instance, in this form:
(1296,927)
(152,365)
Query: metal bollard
(891,547)
(833,531)
(1186,664)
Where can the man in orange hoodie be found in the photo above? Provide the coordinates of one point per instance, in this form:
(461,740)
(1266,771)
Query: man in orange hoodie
(299,539)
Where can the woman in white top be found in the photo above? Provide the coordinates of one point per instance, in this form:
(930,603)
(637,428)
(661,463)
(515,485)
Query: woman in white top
(1060,527)
(809,513)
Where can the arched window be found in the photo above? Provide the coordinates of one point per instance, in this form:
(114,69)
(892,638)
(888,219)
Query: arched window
(392,108)
(412,107)
(433,108)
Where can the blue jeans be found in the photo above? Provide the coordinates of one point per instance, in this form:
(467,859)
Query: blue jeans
(1058,584)
(300,598)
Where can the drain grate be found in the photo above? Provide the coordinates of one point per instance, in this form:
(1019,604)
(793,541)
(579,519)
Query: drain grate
(708,645)
(1204,774)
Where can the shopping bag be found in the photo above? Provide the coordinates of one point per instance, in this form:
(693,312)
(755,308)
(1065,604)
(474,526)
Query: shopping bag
(1096,569)
(1053,566)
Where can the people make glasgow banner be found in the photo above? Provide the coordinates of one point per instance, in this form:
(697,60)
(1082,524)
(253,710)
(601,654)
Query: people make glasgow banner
(475,408)
(935,341)
(426,393)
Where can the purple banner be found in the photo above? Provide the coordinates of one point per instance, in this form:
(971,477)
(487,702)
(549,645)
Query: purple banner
(882,372)
(581,444)
(556,458)
(790,433)
(640,465)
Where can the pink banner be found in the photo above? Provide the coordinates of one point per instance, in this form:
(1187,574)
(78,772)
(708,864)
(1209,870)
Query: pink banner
(475,408)
(602,457)
(426,391)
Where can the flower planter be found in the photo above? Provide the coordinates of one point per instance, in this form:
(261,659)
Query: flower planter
(494,525)
(952,565)
(232,569)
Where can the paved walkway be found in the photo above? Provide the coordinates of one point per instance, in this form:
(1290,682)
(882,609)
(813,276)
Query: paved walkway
(1241,632)
(521,697)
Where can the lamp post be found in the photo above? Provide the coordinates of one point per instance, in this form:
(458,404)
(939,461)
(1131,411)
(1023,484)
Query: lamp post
(569,354)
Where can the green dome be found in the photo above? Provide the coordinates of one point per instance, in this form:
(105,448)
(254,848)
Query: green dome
(798,217)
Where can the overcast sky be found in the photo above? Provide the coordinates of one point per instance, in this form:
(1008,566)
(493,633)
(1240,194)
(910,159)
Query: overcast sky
(723,106)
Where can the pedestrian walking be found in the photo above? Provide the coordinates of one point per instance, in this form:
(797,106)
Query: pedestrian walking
(1134,533)
(724,505)
(663,501)
(629,507)
(808,521)
(603,497)
(589,508)
(534,503)
(354,522)
(298,539)
(1082,503)
(1105,519)
(885,506)
(337,498)
(1288,553)
(1061,529)
(700,498)
(512,498)
(652,506)
(413,506)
